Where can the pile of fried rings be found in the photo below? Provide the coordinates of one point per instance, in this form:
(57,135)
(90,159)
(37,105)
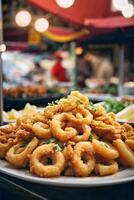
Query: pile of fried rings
(70,137)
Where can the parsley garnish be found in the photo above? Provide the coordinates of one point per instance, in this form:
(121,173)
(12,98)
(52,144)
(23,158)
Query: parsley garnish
(93,109)
(79,102)
(56,148)
(91,137)
(63,98)
(92,105)
(51,140)
(51,104)
(57,101)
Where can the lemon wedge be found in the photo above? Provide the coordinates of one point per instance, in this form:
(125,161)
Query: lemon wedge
(126,114)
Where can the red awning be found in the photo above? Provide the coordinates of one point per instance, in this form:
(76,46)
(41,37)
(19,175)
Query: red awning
(92,13)
(81,10)
(111,22)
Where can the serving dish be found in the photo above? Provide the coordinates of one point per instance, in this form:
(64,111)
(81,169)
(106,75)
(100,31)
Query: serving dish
(122,176)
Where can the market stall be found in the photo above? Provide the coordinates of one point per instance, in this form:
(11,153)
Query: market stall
(69,128)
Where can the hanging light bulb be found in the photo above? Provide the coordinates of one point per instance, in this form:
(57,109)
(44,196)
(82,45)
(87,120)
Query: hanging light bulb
(79,50)
(2,47)
(119,4)
(128,11)
(23,18)
(65,3)
(41,24)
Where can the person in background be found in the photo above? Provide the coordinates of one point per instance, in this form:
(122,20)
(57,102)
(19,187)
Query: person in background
(57,71)
(83,70)
(102,68)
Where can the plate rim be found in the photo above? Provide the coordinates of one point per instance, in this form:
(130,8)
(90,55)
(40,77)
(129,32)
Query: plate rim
(52,182)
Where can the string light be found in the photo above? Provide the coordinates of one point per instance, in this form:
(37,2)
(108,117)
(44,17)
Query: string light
(79,50)
(23,18)
(128,11)
(119,4)
(41,24)
(2,47)
(65,3)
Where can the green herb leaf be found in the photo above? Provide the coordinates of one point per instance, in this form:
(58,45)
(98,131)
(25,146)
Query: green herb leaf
(57,101)
(113,105)
(79,102)
(51,140)
(91,103)
(91,137)
(93,109)
(51,104)
(56,148)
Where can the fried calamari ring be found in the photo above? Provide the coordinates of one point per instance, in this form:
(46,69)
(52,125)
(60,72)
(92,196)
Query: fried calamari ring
(82,159)
(86,131)
(108,118)
(105,149)
(83,115)
(125,152)
(50,111)
(18,155)
(56,127)
(68,171)
(130,143)
(24,119)
(98,111)
(67,105)
(7,138)
(106,169)
(128,127)
(39,117)
(42,130)
(108,132)
(8,129)
(43,169)
(22,135)
(127,131)
(5,146)
(78,96)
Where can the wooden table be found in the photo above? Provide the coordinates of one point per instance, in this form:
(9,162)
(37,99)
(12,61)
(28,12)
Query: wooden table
(12,188)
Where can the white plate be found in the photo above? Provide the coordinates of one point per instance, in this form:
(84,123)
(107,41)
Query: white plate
(125,121)
(122,176)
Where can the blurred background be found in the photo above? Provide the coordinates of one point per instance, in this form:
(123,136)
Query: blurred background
(52,47)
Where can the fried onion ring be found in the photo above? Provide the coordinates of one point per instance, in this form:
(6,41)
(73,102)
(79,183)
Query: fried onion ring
(45,170)
(18,155)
